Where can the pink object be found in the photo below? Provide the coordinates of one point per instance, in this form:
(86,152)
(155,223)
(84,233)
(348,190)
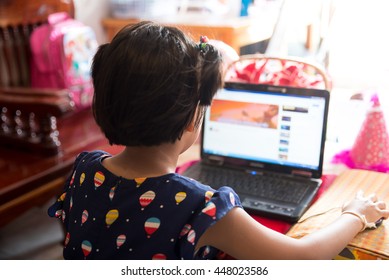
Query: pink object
(62,52)
(371,147)
(274,71)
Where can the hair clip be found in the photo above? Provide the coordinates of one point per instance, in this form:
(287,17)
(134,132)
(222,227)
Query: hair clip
(203,46)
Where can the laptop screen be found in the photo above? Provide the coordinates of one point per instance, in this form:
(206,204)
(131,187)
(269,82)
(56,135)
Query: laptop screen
(267,126)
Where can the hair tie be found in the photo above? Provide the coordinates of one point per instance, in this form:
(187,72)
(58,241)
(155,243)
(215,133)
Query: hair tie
(203,46)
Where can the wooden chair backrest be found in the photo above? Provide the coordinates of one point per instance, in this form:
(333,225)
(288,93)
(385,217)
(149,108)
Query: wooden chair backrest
(18,18)
(15,12)
(28,116)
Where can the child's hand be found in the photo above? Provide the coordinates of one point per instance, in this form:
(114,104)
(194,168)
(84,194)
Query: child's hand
(368,208)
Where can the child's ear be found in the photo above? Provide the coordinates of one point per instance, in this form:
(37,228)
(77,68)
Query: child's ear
(192,126)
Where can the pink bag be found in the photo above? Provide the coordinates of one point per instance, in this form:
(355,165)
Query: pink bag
(62,52)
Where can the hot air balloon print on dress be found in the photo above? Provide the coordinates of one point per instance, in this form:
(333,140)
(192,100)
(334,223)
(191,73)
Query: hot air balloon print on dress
(86,247)
(63,215)
(84,216)
(72,180)
(179,197)
(232,198)
(99,179)
(62,197)
(208,196)
(58,213)
(146,198)
(191,236)
(139,181)
(210,209)
(67,239)
(159,256)
(120,240)
(82,178)
(185,230)
(111,217)
(151,226)
(112,193)
(206,251)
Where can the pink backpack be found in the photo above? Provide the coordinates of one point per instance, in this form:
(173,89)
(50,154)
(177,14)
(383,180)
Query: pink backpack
(62,52)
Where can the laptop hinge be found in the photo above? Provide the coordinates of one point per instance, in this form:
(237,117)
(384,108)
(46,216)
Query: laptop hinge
(215,160)
(302,173)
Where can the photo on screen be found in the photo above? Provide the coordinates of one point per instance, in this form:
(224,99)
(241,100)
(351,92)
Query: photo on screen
(251,114)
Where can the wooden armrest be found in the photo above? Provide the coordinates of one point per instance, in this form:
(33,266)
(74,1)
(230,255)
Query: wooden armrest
(27,91)
(40,102)
(38,196)
(28,119)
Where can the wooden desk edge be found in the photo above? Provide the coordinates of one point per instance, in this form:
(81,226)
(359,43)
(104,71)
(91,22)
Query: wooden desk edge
(12,209)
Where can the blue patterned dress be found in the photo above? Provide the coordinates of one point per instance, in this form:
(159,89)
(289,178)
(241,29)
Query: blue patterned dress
(109,217)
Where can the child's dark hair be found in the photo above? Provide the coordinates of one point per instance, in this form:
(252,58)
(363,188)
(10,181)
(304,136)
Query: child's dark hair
(148,83)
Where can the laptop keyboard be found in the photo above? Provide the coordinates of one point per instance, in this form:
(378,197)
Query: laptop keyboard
(264,186)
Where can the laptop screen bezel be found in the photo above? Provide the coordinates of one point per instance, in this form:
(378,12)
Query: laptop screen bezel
(261,166)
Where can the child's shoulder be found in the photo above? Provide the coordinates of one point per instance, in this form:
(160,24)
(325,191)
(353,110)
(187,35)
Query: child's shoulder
(86,157)
(92,155)
(191,183)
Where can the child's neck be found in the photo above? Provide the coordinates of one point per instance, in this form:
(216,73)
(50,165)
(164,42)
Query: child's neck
(137,162)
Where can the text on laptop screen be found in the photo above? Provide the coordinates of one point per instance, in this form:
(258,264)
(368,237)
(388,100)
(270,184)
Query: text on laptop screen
(267,127)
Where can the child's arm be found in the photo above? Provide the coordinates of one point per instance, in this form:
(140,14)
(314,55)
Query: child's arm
(240,236)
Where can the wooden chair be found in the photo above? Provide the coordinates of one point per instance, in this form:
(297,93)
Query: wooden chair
(28,116)
(286,71)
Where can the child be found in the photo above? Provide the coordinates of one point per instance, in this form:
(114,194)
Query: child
(152,84)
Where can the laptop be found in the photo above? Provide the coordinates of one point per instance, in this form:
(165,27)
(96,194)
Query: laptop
(267,143)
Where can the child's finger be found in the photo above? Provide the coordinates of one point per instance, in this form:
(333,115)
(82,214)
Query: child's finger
(381,205)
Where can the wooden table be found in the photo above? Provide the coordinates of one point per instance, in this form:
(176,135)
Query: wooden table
(30,179)
(236,32)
